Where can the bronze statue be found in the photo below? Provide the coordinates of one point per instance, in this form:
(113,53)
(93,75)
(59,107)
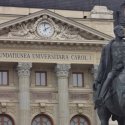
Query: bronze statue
(109,86)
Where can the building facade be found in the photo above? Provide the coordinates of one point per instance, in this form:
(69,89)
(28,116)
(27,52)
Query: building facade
(48,61)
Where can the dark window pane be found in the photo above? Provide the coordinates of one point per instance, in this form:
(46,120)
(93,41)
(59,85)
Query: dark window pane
(37,78)
(3,77)
(41,78)
(80,82)
(74,79)
(78,79)
(34,123)
(79,120)
(5,120)
(43,120)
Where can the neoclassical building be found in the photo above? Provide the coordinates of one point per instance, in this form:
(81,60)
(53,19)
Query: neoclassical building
(48,61)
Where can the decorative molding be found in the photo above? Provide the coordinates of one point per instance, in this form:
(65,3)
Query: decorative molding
(42,108)
(27,30)
(45,18)
(12,110)
(6,108)
(50,46)
(23,68)
(81,109)
(66,32)
(62,70)
(23,31)
(3,107)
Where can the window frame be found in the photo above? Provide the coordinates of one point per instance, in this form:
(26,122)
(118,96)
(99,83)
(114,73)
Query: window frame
(78,118)
(7,116)
(40,78)
(77,79)
(44,116)
(7,78)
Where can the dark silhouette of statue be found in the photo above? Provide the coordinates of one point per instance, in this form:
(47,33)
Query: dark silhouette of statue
(109,86)
(111,64)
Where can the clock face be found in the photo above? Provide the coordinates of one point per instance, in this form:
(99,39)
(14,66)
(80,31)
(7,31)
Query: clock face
(45,29)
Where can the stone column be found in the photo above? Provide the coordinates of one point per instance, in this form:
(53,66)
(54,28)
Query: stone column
(24,93)
(94,72)
(62,71)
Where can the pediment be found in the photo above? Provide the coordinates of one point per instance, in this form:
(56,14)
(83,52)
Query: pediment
(64,29)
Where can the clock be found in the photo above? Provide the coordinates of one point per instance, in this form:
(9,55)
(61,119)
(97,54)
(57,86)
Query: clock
(45,29)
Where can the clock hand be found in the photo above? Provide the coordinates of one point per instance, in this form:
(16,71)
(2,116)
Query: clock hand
(46,28)
(44,24)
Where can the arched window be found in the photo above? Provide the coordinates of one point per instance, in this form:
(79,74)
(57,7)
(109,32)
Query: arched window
(42,120)
(79,120)
(6,120)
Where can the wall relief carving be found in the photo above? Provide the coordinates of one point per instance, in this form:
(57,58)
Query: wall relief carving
(42,109)
(81,109)
(9,109)
(28,30)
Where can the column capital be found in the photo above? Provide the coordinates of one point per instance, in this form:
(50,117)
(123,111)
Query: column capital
(62,70)
(23,68)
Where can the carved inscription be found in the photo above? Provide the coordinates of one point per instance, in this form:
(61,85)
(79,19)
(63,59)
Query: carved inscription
(47,56)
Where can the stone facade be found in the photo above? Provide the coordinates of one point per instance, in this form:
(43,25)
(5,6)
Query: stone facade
(74,47)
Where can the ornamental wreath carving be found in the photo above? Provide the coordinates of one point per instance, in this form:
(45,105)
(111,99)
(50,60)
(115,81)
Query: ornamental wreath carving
(28,30)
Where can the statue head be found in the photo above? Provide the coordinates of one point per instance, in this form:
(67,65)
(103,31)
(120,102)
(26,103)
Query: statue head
(119,31)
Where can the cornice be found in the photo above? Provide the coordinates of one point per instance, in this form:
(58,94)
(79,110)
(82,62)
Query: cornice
(55,46)
(78,90)
(93,19)
(42,89)
(38,47)
(54,42)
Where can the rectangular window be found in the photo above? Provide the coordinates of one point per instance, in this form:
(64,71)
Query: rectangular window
(4,78)
(78,79)
(41,79)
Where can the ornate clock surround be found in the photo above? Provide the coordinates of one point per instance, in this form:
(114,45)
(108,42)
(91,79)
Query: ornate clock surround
(45,19)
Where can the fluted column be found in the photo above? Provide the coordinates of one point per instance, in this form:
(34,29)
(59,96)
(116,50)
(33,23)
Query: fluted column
(95,71)
(24,94)
(62,71)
